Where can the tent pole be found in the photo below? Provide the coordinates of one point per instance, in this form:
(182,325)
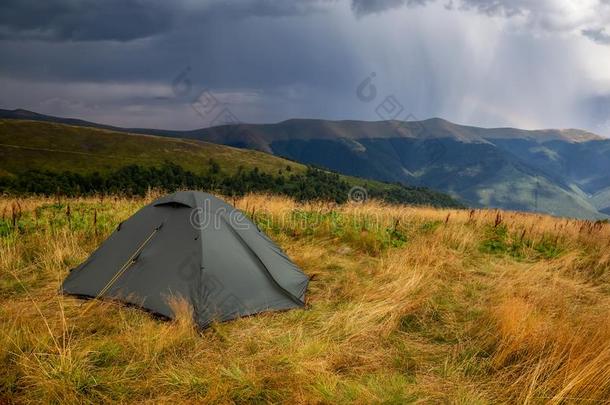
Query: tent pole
(122,270)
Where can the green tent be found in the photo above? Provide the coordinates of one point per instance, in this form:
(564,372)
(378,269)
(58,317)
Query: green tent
(191,246)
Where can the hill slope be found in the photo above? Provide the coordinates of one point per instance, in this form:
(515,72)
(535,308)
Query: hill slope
(88,151)
(59,147)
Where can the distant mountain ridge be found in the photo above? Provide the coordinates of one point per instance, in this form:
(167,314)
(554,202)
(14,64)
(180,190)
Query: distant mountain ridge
(561,172)
(22,114)
(350,129)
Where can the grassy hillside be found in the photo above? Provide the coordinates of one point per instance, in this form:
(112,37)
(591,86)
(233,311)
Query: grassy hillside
(405,305)
(58,147)
(84,152)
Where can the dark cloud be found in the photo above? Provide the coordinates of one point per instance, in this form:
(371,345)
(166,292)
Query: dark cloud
(489,7)
(364,7)
(598,35)
(295,66)
(271,60)
(87,20)
(125,20)
(237,53)
(507,8)
(544,15)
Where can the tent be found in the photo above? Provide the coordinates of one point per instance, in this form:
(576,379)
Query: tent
(191,246)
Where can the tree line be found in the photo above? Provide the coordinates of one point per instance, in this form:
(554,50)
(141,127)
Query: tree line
(135,180)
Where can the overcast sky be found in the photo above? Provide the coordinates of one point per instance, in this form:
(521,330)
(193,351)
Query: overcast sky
(189,64)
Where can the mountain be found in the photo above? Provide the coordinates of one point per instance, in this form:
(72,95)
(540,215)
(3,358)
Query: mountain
(21,114)
(38,156)
(560,172)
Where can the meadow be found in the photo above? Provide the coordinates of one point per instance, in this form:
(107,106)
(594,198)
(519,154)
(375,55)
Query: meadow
(405,305)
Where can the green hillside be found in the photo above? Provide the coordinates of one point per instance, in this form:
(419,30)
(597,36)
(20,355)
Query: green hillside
(45,157)
(56,147)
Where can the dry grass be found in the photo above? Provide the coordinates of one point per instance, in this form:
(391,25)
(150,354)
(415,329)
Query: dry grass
(406,305)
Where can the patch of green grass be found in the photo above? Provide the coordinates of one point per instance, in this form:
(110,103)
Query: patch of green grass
(105,354)
(500,241)
(548,247)
(429,226)
(6,227)
(361,233)
(248,389)
(11,286)
(396,237)
(406,360)
(187,382)
(432,321)
(76,217)
(410,323)
(496,240)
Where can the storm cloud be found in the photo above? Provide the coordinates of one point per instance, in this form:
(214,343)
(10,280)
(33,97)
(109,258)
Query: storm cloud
(599,35)
(144,63)
(589,17)
(364,7)
(125,20)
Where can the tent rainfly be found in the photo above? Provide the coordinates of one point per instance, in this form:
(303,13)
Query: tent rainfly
(192,246)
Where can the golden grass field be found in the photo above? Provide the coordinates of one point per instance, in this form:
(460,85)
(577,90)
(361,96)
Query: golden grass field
(406,305)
